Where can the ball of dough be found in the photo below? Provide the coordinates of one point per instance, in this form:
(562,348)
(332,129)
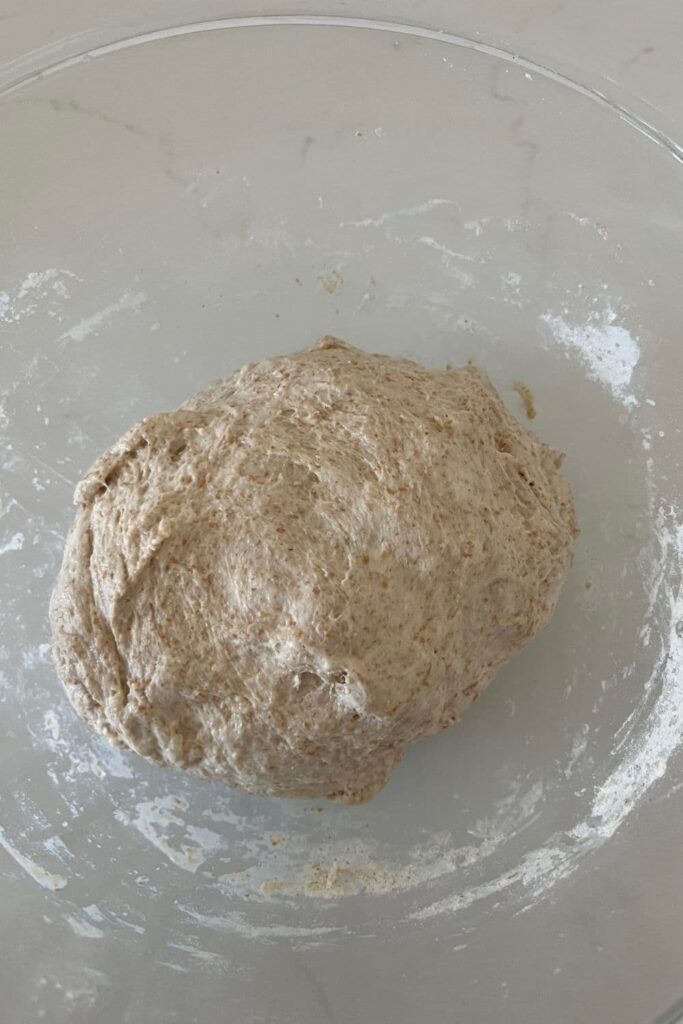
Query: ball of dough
(310,565)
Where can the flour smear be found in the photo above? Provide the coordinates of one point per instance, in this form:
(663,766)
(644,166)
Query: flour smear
(607,348)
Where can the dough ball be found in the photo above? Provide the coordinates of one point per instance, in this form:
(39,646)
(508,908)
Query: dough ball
(309,566)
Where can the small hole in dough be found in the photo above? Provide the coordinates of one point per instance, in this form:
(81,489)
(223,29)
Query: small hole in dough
(308,682)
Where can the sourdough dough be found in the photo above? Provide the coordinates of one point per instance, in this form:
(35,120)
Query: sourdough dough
(307,567)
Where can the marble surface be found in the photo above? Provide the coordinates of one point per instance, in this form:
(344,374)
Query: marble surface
(119,898)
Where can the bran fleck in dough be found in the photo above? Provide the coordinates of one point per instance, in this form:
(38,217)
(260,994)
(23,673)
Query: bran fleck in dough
(307,567)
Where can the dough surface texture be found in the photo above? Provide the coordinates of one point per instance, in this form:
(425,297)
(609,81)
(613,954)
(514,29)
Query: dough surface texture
(307,567)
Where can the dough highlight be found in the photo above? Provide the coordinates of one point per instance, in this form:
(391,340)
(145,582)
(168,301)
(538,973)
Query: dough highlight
(307,567)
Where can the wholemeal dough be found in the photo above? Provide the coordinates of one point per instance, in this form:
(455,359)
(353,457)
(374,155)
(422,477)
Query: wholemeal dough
(310,565)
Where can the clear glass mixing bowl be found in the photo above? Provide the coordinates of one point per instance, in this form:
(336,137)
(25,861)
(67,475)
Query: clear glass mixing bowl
(178,203)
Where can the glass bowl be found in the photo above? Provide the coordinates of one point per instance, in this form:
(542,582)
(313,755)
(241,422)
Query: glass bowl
(179,203)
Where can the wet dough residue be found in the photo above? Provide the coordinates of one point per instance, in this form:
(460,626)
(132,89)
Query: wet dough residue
(527,396)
